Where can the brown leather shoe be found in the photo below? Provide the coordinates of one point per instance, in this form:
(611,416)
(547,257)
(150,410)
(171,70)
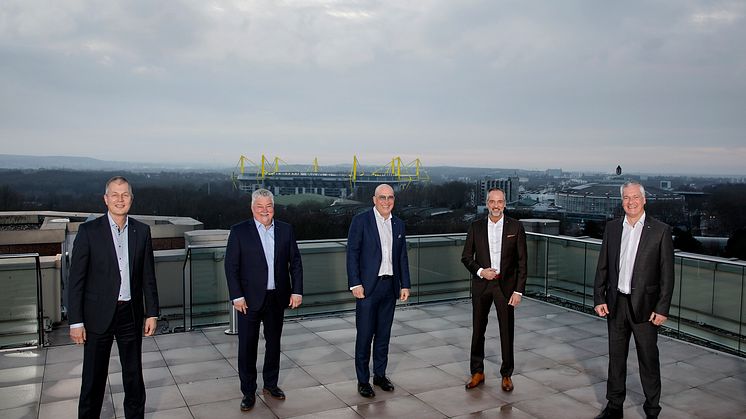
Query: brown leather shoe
(476,379)
(507,384)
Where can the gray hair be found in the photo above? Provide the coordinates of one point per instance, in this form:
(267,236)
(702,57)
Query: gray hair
(631,183)
(262,193)
(118,179)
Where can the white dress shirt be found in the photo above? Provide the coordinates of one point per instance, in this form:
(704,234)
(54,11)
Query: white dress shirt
(385,235)
(630,242)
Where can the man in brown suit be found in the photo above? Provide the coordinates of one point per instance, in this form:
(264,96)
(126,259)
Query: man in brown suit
(495,254)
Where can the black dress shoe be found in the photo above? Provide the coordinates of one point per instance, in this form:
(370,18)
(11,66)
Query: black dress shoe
(275,392)
(365,390)
(383,382)
(610,413)
(247,402)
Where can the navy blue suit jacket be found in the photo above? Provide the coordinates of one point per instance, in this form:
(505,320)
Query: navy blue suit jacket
(364,253)
(94,279)
(652,275)
(246,265)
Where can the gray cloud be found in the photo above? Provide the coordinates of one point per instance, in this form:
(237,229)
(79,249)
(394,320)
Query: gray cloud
(656,86)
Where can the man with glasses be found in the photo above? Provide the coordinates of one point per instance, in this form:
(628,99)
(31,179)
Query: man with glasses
(377,274)
(111,270)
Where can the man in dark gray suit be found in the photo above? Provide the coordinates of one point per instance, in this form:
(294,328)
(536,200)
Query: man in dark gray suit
(112,289)
(633,287)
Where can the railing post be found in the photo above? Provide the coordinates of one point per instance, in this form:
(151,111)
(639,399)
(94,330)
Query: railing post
(232,322)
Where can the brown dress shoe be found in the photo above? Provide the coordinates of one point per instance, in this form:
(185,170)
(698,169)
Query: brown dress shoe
(476,379)
(507,384)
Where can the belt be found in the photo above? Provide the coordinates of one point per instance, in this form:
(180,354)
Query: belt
(385,277)
(621,294)
(123,302)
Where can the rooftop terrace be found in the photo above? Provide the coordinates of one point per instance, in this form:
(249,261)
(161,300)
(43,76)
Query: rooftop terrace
(561,361)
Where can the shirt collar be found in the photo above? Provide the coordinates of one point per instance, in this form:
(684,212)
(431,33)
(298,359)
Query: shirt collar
(498,223)
(379,216)
(113,224)
(641,221)
(261,226)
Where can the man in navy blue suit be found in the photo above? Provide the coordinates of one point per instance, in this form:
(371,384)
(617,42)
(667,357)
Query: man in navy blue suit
(265,275)
(377,273)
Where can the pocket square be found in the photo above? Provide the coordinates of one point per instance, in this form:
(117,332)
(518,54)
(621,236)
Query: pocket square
(398,237)
(511,235)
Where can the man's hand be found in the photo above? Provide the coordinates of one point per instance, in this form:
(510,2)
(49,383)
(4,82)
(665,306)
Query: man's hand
(77,334)
(150,325)
(602,310)
(404,294)
(657,319)
(240,305)
(295,301)
(515,299)
(489,273)
(358,292)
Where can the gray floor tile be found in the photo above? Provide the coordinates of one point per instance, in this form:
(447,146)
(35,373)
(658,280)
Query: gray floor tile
(341,413)
(68,389)
(304,401)
(411,313)
(303,341)
(564,353)
(725,364)
(338,336)
(317,355)
(400,407)
(557,406)
(599,345)
(20,395)
(728,387)
(157,399)
(438,355)
(228,349)
(566,333)
(21,375)
(181,340)
(402,362)
(153,377)
(346,391)
(537,324)
(200,371)
(212,390)
(526,361)
(672,350)
(191,354)
(459,370)
(416,341)
(324,324)
(706,405)
(563,378)
(533,340)
(25,412)
(65,353)
(291,379)
(149,360)
(506,411)
(229,409)
(455,401)
(178,413)
(22,358)
(690,375)
(332,372)
(524,389)
(570,318)
(420,380)
(460,336)
(595,395)
(69,409)
(217,335)
(430,324)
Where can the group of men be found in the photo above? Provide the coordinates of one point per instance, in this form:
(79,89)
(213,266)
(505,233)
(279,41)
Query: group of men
(113,291)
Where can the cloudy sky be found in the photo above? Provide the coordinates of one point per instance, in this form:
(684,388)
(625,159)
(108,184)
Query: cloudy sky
(656,86)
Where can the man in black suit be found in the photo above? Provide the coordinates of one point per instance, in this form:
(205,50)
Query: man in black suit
(495,254)
(265,275)
(111,270)
(633,287)
(377,274)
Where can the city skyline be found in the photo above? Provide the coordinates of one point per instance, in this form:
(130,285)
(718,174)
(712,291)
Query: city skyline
(654,87)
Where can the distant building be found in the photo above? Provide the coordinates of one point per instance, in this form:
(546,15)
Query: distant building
(605,199)
(509,185)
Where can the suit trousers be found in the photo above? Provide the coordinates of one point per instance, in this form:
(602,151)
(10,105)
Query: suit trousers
(621,327)
(374,316)
(96,352)
(271,313)
(481,305)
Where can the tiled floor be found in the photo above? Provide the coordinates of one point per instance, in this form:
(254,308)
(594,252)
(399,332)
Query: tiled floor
(561,360)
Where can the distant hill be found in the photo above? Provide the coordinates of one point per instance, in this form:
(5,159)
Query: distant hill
(11,161)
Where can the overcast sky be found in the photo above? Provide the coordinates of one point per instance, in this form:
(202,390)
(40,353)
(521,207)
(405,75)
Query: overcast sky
(656,86)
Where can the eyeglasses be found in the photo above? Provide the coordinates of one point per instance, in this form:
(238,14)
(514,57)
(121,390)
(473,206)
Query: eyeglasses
(385,197)
(116,196)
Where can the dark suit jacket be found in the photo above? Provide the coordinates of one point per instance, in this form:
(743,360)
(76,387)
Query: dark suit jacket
(652,275)
(94,279)
(246,265)
(364,253)
(513,266)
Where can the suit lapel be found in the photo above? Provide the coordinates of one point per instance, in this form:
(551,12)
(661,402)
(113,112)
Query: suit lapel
(374,226)
(646,230)
(616,242)
(131,243)
(108,241)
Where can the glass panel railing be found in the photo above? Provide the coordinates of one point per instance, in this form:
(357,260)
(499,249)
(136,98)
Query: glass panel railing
(21,317)
(708,299)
